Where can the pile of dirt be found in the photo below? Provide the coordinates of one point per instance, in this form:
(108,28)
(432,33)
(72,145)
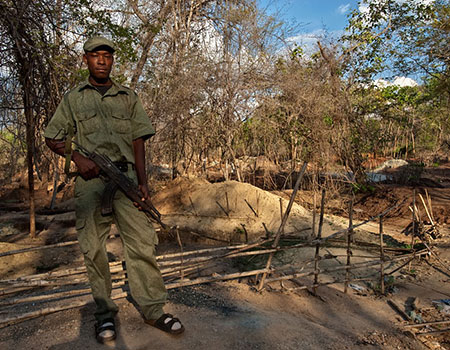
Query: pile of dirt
(230,210)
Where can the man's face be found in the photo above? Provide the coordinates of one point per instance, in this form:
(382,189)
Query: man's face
(99,63)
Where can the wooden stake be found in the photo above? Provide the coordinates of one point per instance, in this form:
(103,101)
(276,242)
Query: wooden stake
(226,213)
(181,251)
(245,233)
(413,223)
(319,236)
(281,208)
(193,207)
(349,236)
(381,257)
(283,223)
(253,210)
(314,215)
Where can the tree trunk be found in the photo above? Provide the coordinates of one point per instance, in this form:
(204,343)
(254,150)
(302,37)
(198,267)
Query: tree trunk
(30,146)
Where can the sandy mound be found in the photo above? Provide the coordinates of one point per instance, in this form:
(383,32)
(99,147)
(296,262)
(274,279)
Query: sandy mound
(224,209)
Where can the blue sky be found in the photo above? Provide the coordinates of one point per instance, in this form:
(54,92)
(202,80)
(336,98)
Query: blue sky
(314,17)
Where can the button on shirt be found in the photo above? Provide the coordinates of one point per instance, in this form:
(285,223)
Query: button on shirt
(105,124)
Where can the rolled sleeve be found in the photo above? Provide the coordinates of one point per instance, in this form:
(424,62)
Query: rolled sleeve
(141,125)
(60,123)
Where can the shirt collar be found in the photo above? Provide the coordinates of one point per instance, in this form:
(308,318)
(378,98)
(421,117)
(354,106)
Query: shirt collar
(115,88)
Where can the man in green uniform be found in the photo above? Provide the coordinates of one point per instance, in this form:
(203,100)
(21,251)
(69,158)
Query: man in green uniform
(109,119)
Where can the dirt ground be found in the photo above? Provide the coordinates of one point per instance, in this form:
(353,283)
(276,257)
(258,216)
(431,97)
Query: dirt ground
(232,314)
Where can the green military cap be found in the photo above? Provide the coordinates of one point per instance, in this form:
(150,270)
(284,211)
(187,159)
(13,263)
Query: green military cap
(96,41)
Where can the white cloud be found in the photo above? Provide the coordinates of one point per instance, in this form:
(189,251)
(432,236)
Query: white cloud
(404,81)
(398,81)
(364,5)
(308,41)
(343,9)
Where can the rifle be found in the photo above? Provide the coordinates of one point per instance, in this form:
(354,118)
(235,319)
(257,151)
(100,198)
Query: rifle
(118,180)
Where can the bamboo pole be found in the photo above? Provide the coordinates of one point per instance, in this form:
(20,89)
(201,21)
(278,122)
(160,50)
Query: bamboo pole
(426,210)
(46,297)
(116,267)
(340,232)
(210,279)
(190,282)
(201,251)
(340,268)
(424,324)
(46,311)
(311,273)
(33,249)
(319,236)
(429,203)
(437,332)
(283,223)
(301,287)
(15,319)
(381,257)
(349,235)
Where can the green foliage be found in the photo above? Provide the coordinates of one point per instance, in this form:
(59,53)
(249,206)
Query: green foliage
(362,188)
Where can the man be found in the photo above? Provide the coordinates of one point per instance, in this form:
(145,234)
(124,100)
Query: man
(109,119)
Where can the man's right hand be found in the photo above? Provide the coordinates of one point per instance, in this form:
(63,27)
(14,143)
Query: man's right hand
(86,167)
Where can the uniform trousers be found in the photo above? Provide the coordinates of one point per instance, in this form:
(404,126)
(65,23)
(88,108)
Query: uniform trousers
(139,239)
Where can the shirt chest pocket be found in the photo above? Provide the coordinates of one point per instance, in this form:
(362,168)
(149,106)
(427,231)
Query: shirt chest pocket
(121,123)
(88,122)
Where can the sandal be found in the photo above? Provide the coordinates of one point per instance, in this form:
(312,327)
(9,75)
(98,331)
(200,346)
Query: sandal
(105,331)
(167,323)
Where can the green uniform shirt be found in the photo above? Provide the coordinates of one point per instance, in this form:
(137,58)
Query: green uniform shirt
(105,124)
